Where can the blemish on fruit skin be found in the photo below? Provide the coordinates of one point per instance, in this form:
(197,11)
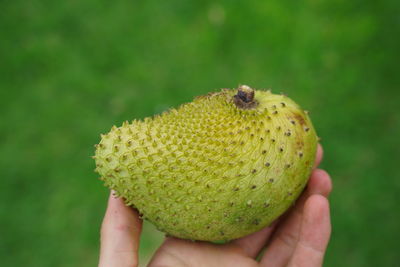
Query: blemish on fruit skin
(267,164)
(253,186)
(271,180)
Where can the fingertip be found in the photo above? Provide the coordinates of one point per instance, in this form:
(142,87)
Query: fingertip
(316,205)
(316,225)
(316,219)
(319,155)
(320,183)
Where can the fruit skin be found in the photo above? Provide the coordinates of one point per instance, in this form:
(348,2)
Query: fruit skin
(212,169)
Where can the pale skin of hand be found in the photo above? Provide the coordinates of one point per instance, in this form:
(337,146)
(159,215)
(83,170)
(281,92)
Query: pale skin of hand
(298,238)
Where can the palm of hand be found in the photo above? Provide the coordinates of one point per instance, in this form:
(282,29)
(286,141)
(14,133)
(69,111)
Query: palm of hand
(299,238)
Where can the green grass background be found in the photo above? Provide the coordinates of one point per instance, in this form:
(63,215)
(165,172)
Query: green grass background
(69,70)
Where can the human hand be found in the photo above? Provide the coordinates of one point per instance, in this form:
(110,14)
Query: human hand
(298,238)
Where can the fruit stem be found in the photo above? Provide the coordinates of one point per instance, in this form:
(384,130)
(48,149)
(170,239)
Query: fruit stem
(244,99)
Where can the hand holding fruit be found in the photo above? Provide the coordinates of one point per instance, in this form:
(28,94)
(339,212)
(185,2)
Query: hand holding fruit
(298,238)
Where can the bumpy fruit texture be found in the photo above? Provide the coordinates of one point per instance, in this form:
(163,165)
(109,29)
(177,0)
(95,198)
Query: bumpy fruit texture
(218,168)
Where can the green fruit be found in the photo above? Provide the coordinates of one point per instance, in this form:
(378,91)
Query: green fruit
(218,168)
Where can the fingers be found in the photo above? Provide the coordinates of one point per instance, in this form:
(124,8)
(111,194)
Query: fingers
(253,244)
(314,234)
(120,233)
(285,238)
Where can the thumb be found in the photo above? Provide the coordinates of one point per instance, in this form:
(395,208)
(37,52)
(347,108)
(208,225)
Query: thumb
(120,235)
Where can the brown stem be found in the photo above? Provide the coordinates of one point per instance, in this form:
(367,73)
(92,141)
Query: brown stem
(244,99)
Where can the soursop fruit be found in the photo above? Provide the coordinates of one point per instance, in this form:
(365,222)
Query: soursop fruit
(218,168)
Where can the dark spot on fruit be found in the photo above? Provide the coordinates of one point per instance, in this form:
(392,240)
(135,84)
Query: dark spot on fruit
(256,222)
(306,129)
(267,164)
(301,154)
(236,189)
(299,118)
(275,112)
(222,233)
(283,104)
(271,180)
(254,171)
(273,140)
(300,144)
(253,187)
(280,149)
(264,151)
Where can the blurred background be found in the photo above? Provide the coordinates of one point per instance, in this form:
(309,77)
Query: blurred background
(69,70)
